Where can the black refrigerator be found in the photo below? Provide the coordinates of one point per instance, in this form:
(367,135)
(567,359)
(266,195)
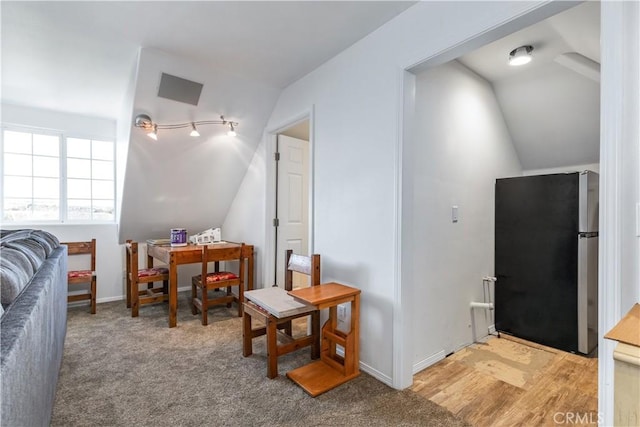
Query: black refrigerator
(546,259)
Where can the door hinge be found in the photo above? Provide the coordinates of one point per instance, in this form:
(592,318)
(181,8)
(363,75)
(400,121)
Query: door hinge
(276,156)
(276,222)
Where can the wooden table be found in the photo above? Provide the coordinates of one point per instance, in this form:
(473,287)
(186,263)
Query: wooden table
(190,254)
(332,369)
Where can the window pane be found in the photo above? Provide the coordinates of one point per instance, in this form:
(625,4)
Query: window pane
(102,189)
(17,186)
(101,169)
(33,175)
(103,210)
(79,148)
(46,166)
(16,209)
(46,145)
(78,168)
(78,188)
(17,164)
(17,142)
(46,209)
(79,209)
(46,187)
(102,150)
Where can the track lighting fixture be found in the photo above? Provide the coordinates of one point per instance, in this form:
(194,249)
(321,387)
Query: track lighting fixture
(144,121)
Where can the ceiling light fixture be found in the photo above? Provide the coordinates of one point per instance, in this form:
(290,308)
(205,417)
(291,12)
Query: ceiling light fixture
(520,55)
(144,121)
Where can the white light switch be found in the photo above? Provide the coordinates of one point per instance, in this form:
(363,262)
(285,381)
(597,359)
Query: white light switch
(454,213)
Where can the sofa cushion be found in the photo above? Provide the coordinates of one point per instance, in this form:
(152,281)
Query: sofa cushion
(44,243)
(15,272)
(32,249)
(50,238)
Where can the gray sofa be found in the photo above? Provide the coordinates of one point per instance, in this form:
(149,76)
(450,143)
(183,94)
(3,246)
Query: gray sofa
(33,268)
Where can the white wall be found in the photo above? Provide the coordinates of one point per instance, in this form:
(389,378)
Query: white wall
(245,221)
(460,145)
(357,98)
(80,126)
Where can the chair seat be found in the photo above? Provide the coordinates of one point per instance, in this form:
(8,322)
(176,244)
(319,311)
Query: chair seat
(156,271)
(278,302)
(87,274)
(218,276)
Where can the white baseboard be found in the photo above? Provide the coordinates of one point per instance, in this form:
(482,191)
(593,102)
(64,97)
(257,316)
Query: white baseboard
(492,329)
(369,370)
(377,374)
(425,363)
(109,299)
(122,297)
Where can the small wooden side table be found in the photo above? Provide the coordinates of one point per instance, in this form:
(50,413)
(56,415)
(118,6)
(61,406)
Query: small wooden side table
(332,369)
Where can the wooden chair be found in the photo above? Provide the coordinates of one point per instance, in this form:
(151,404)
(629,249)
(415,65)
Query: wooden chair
(276,309)
(137,297)
(76,277)
(216,280)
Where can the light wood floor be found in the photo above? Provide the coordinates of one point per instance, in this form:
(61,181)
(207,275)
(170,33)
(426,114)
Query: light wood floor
(511,382)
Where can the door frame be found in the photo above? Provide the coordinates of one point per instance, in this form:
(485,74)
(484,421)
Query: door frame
(403,366)
(270,190)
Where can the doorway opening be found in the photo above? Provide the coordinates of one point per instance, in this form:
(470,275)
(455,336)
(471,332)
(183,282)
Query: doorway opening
(470,118)
(292,196)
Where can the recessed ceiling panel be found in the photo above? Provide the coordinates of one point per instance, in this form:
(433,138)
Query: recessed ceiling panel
(179,89)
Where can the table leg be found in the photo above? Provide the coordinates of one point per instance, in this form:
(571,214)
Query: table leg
(173,293)
(250,272)
(247,338)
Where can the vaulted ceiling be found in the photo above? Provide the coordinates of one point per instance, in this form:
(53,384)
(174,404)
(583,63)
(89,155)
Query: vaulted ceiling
(551,105)
(56,53)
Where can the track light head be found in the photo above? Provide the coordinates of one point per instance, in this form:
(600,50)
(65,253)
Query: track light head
(194,131)
(154,133)
(143,121)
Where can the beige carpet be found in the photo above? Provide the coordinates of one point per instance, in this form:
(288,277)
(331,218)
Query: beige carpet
(120,371)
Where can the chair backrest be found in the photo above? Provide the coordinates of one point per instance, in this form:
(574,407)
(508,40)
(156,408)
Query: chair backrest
(132,257)
(83,248)
(308,265)
(226,254)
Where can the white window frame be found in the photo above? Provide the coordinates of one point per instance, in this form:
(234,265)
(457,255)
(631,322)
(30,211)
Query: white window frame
(62,139)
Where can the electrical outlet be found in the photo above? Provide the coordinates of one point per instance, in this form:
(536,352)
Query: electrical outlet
(342,312)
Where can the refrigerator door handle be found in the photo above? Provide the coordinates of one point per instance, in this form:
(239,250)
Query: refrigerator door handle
(587,235)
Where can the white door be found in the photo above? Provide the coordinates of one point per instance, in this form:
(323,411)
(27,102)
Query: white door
(292,203)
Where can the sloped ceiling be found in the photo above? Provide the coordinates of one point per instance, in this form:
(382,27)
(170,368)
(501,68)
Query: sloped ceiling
(78,57)
(552,112)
